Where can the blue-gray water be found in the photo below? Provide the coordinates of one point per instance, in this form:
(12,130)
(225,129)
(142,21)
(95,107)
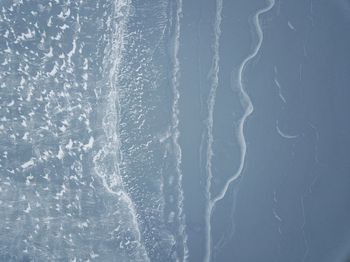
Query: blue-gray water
(174,130)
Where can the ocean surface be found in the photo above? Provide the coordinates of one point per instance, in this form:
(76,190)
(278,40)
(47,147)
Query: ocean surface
(175,130)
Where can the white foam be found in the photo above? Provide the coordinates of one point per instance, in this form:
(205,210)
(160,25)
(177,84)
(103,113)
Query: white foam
(290,25)
(279,87)
(28,164)
(90,144)
(69,146)
(165,136)
(72,51)
(50,53)
(283,134)
(28,209)
(111,147)
(247,112)
(54,70)
(276,215)
(175,128)
(209,123)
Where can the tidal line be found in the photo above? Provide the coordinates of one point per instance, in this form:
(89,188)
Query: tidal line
(209,123)
(175,127)
(112,181)
(245,99)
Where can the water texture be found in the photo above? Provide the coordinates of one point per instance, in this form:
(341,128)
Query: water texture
(174,130)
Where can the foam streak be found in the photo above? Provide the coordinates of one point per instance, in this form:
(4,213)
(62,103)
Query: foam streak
(175,127)
(247,112)
(209,124)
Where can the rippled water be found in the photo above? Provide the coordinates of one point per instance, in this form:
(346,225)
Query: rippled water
(124,131)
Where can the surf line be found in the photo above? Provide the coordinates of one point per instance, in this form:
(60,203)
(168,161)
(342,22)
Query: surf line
(245,99)
(111,149)
(175,129)
(214,72)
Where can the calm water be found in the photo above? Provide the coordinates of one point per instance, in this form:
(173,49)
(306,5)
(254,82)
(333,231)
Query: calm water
(174,130)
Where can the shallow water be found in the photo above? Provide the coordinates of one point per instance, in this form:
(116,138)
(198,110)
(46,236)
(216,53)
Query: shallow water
(139,130)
